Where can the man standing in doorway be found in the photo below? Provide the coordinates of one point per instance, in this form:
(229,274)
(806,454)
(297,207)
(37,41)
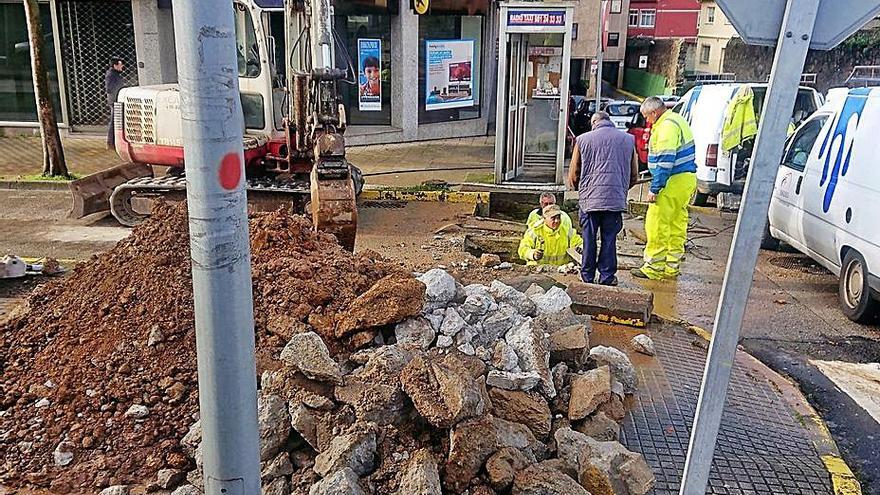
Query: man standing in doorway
(671,162)
(536,215)
(604,165)
(113,82)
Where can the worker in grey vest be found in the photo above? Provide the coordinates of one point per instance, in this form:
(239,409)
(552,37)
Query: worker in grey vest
(604,165)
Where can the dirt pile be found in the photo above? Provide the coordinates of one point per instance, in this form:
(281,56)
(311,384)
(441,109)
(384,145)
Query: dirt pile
(99,370)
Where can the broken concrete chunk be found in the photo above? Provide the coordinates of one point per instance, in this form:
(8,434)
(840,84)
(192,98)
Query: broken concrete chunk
(600,427)
(440,288)
(372,401)
(504,358)
(570,344)
(543,479)
(137,411)
(506,294)
(622,368)
(342,482)
(115,490)
(278,486)
(304,421)
(588,391)
(167,479)
(420,475)
(307,353)
(512,380)
(606,303)
(534,290)
(476,306)
(444,341)
(502,467)
(63,453)
(642,343)
(452,323)
(390,300)
(528,408)
(442,391)
(274,425)
(192,439)
(356,451)
(552,301)
(531,348)
(604,467)
(276,468)
(416,330)
(489,260)
(186,490)
(498,323)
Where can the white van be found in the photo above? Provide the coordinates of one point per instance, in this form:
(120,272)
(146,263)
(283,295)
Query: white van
(704,107)
(826,193)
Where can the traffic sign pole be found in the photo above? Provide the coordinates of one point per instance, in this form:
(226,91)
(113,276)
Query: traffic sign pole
(791,52)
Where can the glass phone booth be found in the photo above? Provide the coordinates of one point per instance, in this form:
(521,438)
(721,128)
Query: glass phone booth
(533,71)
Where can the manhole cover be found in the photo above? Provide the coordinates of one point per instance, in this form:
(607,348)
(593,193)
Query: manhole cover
(383,203)
(798,263)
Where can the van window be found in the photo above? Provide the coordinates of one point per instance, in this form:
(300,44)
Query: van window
(804,104)
(802,144)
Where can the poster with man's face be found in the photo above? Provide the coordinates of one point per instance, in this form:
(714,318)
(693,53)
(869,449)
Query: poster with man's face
(369,75)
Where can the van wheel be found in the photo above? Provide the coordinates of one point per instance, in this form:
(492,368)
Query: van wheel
(701,199)
(769,242)
(854,294)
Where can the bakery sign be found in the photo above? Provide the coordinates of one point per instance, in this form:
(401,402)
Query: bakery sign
(535,18)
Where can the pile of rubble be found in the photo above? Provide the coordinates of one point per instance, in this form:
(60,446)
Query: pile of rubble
(484,390)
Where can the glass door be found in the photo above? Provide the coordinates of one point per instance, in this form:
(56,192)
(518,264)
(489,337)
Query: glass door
(516,106)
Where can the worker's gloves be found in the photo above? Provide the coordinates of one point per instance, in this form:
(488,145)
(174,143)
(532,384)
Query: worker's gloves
(538,255)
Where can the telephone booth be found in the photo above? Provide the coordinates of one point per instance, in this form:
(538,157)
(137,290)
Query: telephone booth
(533,72)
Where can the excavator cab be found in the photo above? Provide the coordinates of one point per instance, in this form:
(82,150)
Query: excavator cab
(293,124)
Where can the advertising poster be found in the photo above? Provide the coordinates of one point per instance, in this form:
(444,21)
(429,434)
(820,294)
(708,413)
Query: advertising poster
(369,75)
(449,74)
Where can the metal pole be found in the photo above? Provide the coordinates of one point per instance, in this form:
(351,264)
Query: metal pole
(212,135)
(600,53)
(791,52)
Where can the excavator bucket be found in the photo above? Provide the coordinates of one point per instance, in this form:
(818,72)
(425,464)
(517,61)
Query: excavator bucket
(91,194)
(334,207)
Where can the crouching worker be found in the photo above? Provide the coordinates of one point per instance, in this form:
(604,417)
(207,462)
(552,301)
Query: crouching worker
(547,242)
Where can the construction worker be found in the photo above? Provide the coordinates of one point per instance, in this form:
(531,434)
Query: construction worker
(671,162)
(547,242)
(547,199)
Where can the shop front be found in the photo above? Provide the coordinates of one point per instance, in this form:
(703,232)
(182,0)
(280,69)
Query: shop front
(532,100)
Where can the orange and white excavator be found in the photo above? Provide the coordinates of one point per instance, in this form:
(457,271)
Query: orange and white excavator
(293,124)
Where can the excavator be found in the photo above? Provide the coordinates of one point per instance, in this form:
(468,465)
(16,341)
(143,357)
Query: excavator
(294,122)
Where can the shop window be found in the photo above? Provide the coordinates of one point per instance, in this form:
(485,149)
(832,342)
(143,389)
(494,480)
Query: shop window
(634,17)
(17,100)
(613,39)
(647,18)
(364,50)
(449,67)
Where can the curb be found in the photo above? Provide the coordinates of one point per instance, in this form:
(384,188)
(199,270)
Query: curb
(426,196)
(843,480)
(35,185)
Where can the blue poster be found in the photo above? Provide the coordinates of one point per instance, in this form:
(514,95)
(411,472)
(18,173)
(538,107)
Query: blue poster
(449,74)
(369,75)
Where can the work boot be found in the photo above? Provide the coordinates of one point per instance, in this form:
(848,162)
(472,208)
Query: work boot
(611,281)
(638,273)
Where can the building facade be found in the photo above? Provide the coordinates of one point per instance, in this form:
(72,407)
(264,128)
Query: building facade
(585,36)
(714,34)
(84,34)
(664,19)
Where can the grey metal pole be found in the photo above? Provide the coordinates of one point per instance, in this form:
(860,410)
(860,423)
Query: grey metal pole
(212,135)
(791,52)
(600,53)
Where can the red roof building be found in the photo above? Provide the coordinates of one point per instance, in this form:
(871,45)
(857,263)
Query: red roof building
(664,19)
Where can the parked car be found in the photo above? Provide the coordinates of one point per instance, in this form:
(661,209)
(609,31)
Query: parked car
(641,130)
(825,194)
(669,100)
(705,107)
(622,112)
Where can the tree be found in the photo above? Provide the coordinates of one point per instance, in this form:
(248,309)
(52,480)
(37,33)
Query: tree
(53,152)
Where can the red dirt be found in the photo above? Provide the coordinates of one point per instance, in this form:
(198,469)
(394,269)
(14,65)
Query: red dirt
(88,334)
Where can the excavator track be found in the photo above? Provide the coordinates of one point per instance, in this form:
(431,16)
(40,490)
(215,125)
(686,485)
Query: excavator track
(132,201)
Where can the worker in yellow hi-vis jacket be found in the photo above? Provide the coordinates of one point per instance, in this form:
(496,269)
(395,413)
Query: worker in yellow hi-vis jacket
(671,162)
(547,242)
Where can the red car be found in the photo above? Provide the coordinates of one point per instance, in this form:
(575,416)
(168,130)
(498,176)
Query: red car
(641,130)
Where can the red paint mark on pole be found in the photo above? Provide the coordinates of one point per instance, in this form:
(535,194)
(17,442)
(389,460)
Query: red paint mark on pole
(230,171)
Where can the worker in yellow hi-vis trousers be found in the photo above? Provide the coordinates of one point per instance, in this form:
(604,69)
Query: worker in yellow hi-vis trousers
(671,162)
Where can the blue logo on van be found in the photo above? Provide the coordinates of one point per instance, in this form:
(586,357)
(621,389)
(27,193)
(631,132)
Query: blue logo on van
(852,107)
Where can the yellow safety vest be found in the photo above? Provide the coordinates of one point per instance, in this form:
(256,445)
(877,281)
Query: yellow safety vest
(554,243)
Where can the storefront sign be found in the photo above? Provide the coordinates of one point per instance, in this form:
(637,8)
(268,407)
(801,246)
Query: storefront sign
(369,75)
(535,18)
(449,74)
(421,6)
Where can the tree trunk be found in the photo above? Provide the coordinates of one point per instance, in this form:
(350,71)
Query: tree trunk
(53,153)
